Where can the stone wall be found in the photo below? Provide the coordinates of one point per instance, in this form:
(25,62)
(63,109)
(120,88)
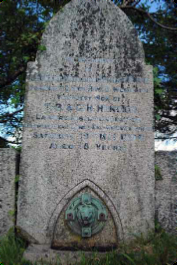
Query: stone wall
(7,189)
(166,190)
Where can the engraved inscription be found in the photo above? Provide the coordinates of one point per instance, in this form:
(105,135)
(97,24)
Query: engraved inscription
(86,107)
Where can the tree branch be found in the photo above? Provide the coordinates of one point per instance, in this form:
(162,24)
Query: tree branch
(7,141)
(173,118)
(149,15)
(136,3)
(10,117)
(130,2)
(12,78)
(12,114)
(163,138)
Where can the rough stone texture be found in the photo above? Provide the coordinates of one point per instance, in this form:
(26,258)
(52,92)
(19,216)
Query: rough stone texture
(45,253)
(7,188)
(88,122)
(166,190)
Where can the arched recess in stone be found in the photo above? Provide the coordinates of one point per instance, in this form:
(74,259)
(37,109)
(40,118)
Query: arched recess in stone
(57,220)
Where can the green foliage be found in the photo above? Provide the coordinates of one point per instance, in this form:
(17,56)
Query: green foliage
(17,177)
(21,30)
(41,48)
(156,249)
(11,213)
(160,50)
(17,148)
(157,82)
(11,249)
(158,175)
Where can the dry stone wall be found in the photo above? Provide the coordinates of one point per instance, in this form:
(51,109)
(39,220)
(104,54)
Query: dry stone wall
(166,190)
(7,189)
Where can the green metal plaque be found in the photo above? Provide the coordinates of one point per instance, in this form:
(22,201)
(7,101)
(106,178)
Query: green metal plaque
(86,215)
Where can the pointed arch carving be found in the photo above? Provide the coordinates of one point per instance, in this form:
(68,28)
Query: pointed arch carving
(71,193)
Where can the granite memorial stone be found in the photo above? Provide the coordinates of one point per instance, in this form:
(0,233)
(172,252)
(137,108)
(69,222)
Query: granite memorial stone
(7,189)
(88,131)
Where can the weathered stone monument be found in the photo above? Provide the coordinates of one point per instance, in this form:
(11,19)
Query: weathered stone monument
(7,189)
(87,170)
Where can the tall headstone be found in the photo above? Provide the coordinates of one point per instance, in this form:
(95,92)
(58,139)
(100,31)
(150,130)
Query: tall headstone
(88,151)
(7,189)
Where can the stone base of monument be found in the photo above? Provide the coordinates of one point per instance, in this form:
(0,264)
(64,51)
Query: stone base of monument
(39,253)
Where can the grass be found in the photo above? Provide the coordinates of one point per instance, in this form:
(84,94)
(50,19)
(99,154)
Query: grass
(158,248)
(11,249)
